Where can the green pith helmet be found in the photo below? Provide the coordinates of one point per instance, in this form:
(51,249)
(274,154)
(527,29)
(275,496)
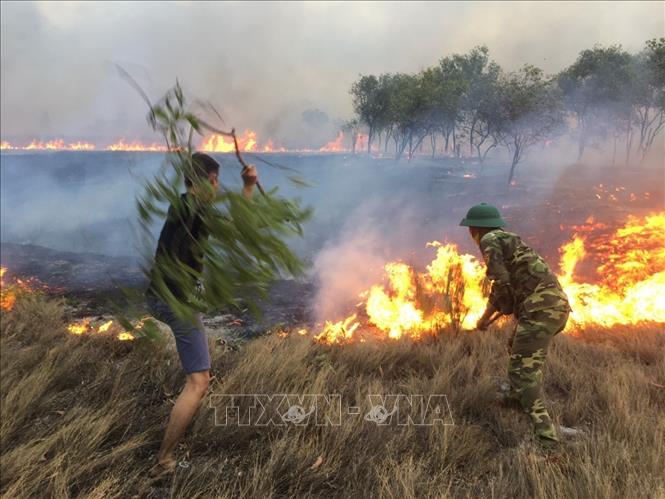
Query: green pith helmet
(483,215)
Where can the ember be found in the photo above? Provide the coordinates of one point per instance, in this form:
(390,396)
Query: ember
(7,296)
(9,292)
(87,326)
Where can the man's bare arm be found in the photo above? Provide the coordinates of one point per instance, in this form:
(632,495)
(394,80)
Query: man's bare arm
(249,179)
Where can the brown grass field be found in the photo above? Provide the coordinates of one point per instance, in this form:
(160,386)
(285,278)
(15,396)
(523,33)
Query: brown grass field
(83,416)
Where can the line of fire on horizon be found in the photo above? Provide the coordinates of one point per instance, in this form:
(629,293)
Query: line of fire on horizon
(247,142)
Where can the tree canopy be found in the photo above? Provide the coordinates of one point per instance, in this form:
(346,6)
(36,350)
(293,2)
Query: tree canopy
(470,106)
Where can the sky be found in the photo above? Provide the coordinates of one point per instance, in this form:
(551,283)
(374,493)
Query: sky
(264,64)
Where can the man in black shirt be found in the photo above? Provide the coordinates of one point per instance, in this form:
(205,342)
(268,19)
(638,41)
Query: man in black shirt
(179,242)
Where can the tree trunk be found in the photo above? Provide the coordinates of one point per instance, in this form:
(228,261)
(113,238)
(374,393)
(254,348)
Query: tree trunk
(629,143)
(433,141)
(420,144)
(369,140)
(581,146)
(516,158)
(484,155)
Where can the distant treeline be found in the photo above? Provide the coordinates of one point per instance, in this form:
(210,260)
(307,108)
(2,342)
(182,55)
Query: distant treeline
(473,106)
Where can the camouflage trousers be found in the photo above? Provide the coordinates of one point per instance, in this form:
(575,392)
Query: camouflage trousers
(543,315)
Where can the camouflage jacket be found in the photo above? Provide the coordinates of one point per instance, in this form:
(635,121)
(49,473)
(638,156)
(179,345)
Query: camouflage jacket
(518,275)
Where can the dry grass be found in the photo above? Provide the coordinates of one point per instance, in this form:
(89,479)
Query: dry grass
(84,415)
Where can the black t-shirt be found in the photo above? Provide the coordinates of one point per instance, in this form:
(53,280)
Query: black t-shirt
(181,239)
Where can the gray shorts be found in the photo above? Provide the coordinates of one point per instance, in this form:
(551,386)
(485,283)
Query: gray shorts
(190,338)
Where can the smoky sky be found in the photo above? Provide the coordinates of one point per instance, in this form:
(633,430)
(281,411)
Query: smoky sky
(268,66)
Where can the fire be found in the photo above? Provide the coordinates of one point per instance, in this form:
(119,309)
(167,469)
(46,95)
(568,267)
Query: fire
(270,147)
(82,146)
(135,146)
(105,327)
(339,332)
(79,328)
(10,293)
(86,326)
(629,287)
(247,142)
(334,145)
(631,276)
(51,145)
(218,143)
(412,304)
(7,296)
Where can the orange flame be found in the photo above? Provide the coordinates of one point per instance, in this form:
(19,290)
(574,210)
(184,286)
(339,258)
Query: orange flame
(7,296)
(270,147)
(630,287)
(247,142)
(85,326)
(51,145)
(631,277)
(412,304)
(79,328)
(135,146)
(334,145)
(9,293)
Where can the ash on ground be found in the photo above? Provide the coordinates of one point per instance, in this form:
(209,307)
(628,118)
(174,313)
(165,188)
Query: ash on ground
(92,285)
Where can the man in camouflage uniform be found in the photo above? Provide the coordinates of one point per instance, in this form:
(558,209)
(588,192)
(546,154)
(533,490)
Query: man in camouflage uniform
(523,285)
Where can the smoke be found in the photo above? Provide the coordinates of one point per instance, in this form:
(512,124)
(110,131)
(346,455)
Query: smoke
(80,202)
(265,64)
(376,232)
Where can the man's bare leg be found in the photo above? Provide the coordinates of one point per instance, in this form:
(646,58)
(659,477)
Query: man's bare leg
(183,411)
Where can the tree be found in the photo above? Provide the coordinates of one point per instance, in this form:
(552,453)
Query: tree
(649,93)
(480,78)
(410,110)
(597,90)
(370,100)
(448,96)
(530,110)
(352,127)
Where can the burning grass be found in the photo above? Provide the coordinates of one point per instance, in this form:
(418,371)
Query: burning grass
(83,415)
(627,287)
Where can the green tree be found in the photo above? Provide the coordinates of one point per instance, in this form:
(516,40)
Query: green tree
(597,90)
(480,76)
(531,109)
(446,99)
(352,128)
(410,111)
(649,93)
(370,101)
